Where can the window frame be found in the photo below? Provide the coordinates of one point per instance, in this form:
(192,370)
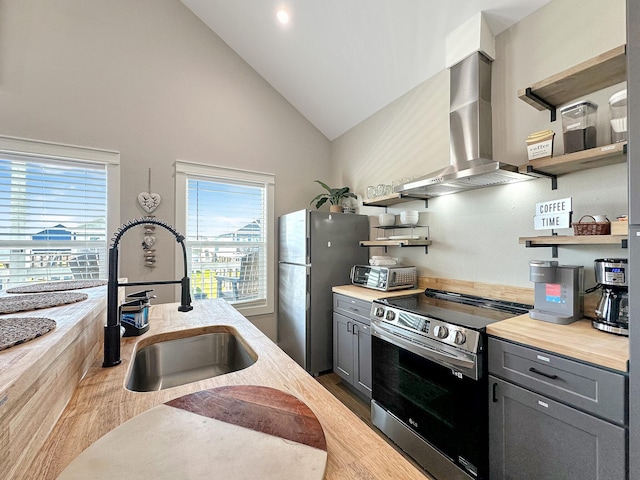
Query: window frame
(40,150)
(184,170)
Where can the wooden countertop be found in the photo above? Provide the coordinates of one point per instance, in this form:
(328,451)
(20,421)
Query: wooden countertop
(31,358)
(369,295)
(101,403)
(577,340)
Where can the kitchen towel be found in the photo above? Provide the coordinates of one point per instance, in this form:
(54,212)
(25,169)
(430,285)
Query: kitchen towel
(382,260)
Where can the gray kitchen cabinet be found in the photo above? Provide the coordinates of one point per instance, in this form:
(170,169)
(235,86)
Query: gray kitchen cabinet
(352,342)
(551,417)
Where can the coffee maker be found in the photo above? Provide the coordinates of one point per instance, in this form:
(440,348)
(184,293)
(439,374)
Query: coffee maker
(612,312)
(558,296)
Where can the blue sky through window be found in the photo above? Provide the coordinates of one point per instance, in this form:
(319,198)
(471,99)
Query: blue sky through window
(216,209)
(37,196)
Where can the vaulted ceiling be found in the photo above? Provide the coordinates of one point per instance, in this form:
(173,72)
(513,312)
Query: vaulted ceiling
(340,61)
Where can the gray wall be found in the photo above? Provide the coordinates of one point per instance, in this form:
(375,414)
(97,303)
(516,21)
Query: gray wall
(148,79)
(475,234)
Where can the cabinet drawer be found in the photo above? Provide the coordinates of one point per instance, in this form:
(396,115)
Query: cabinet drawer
(588,388)
(532,437)
(352,307)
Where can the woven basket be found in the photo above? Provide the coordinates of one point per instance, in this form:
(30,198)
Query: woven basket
(591,228)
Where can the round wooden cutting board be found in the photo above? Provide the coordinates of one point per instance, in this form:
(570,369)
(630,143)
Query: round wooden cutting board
(242,432)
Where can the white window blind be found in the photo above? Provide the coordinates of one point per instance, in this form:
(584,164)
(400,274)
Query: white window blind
(227,229)
(53,219)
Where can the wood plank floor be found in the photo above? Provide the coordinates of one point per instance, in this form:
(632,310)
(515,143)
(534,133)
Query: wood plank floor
(332,382)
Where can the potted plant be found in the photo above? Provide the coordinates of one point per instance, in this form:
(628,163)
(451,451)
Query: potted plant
(333,195)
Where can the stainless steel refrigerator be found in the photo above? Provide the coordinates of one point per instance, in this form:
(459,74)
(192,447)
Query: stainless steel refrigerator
(316,252)
(633,160)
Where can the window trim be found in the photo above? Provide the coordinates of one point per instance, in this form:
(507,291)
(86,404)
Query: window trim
(183,169)
(40,149)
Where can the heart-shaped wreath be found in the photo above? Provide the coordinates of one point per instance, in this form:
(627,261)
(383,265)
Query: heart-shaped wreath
(149,201)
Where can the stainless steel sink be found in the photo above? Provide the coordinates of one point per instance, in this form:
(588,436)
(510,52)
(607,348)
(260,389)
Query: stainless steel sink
(170,363)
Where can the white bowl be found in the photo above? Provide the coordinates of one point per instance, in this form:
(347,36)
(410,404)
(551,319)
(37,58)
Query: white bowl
(386,219)
(409,217)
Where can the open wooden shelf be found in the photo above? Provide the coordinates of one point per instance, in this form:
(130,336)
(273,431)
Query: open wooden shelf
(554,241)
(392,199)
(595,74)
(549,240)
(573,162)
(395,243)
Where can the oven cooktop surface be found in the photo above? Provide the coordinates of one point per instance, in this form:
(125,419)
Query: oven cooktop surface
(464,310)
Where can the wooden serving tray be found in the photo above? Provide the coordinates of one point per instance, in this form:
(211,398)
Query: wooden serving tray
(232,432)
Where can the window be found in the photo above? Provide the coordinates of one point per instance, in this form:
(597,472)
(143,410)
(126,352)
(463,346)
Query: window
(54,203)
(226,216)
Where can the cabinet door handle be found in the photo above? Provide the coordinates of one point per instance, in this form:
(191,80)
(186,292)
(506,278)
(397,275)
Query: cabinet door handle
(349,327)
(534,370)
(354,329)
(495,393)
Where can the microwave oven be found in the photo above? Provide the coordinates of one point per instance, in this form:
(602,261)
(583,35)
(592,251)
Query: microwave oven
(396,277)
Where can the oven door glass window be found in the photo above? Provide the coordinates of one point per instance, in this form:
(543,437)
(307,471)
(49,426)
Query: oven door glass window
(448,411)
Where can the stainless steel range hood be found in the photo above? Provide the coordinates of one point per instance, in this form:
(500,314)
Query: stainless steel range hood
(470,129)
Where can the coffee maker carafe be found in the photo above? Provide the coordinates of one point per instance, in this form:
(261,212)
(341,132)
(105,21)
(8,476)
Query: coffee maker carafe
(612,312)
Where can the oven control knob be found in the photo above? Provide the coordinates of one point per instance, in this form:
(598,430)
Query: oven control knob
(390,315)
(379,312)
(441,331)
(459,338)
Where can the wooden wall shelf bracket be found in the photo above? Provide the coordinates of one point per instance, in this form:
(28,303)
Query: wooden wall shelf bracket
(393,199)
(541,101)
(554,178)
(554,248)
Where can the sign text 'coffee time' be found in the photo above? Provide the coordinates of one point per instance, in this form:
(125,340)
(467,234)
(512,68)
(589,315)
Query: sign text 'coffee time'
(553,214)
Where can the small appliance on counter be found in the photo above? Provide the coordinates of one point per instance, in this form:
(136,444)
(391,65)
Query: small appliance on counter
(397,277)
(612,312)
(558,296)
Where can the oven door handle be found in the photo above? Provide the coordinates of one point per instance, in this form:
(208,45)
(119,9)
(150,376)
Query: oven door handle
(424,350)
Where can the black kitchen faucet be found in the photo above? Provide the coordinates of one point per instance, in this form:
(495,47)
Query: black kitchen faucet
(112,328)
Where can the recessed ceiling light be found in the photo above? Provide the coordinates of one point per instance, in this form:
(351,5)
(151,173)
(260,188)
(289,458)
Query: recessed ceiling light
(283,16)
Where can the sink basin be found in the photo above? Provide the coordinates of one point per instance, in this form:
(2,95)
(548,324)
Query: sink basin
(179,361)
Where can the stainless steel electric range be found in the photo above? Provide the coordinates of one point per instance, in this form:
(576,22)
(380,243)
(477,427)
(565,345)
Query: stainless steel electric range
(430,388)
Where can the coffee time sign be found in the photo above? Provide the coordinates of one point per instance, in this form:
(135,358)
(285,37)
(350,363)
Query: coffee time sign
(553,214)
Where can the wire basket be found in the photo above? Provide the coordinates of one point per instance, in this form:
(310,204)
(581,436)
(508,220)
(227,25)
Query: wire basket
(591,228)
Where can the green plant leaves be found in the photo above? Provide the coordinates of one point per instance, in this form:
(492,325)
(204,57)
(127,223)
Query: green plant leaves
(333,195)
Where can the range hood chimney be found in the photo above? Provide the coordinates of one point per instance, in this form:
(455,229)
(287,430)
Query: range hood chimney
(471,165)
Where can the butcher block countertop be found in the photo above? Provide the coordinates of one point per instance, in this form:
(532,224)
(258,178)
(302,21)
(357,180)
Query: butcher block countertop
(369,295)
(577,340)
(101,403)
